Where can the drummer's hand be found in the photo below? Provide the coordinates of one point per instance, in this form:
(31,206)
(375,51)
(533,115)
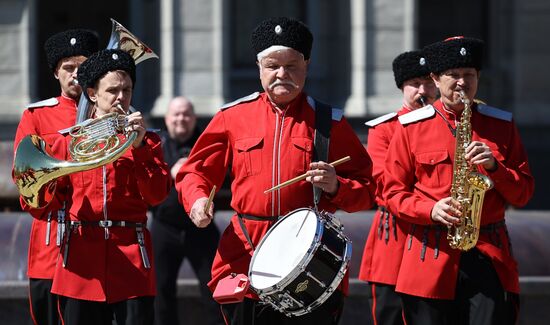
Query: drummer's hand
(197,215)
(136,123)
(323,175)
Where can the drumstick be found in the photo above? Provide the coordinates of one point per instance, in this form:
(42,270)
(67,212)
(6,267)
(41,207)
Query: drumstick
(303,176)
(210,198)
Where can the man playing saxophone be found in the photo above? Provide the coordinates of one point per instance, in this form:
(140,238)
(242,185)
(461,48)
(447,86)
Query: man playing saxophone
(440,284)
(65,51)
(105,267)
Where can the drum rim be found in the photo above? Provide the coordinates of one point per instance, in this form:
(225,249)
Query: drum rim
(291,275)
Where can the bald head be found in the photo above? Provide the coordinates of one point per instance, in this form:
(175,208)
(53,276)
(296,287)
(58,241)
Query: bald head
(180,119)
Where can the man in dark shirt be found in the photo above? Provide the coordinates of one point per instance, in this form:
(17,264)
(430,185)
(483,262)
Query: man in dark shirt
(175,237)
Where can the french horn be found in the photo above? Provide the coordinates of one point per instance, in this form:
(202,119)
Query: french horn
(96,143)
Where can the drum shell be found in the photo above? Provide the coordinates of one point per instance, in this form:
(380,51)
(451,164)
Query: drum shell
(317,275)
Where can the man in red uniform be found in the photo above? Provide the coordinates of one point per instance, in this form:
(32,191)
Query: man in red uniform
(106,269)
(267,138)
(65,52)
(384,247)
(442,285)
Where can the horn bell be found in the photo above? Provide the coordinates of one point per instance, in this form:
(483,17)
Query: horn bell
(121,38)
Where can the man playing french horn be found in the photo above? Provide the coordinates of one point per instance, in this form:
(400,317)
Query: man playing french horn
(448,276)
(105,270)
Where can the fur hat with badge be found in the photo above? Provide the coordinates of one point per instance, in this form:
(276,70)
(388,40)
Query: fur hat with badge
(274,33)
(73,42)
(409,65)
(454,52)
(99,63)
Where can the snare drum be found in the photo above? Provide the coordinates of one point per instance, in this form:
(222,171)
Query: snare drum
(300,261)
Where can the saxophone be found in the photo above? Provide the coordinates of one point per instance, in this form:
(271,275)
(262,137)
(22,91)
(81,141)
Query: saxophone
(468,187)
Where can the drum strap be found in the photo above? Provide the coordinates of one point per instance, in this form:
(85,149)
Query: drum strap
(323,120)
(242,216)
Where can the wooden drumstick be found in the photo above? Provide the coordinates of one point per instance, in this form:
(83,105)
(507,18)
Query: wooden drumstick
(210,199)
(303,176)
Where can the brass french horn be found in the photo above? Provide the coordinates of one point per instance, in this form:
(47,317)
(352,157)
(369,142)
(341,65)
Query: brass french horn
(94,143)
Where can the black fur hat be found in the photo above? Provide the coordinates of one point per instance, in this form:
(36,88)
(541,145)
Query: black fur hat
(454,52)
(282,31)
(73,42)
(99,63)
(409,65)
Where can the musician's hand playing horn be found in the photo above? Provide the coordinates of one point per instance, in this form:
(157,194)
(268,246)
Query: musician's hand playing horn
(323,175)
(136,123)
(198,215)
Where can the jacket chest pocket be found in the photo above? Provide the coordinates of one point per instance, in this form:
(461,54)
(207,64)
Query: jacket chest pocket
(301,154)
(434,169)
(248,157)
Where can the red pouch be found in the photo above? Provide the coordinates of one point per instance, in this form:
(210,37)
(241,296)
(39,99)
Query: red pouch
(231,289)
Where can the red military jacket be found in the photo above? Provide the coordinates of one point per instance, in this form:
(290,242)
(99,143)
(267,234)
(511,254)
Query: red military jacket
(418,173)
(384,246)
(264,148)
(106,264)
(45,118)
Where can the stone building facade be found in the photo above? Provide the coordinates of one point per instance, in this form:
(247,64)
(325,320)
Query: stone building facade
(205,54)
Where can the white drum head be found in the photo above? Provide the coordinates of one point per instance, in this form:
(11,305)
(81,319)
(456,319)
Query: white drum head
(282,249)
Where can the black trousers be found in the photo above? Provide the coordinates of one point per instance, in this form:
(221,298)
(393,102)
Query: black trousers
(385,304)
(170,247)
(480,298)
(253,312)
(43,304)
(137,311)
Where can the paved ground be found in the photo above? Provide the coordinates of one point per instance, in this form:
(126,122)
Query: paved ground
(528,229)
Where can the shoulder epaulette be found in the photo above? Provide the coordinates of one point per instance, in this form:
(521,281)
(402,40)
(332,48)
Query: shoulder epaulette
(380,119)
(494,112)
(244,99)
(337,113)
(417,115)
(46,102)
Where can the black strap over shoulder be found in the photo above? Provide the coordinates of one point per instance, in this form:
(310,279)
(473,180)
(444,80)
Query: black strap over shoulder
(323,121)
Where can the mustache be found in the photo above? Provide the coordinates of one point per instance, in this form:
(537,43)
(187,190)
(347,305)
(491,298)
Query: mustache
(281,83)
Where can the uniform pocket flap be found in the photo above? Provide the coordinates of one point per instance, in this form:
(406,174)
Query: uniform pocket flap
(248,144)
(432,158)
(305,144)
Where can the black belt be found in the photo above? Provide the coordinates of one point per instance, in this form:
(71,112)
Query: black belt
(242,216)
(107,224)
(490,228)
(256,218)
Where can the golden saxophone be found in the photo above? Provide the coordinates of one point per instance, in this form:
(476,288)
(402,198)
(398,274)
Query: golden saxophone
(468,187)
